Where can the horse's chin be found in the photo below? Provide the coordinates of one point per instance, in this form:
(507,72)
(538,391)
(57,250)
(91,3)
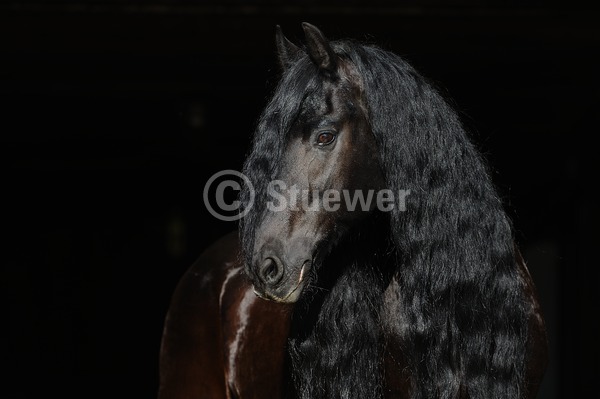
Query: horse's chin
(291,297)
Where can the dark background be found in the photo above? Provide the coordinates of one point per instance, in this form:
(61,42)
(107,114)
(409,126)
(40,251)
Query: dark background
(115,113)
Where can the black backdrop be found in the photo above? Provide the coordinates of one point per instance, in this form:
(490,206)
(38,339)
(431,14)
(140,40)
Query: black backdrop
(115,114)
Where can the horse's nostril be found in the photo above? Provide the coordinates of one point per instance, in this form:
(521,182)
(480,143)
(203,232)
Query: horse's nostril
(271,271)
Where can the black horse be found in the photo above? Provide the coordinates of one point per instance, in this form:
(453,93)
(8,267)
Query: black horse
(407,283)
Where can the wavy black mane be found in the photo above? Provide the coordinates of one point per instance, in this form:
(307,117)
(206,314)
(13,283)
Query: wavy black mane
(462,314)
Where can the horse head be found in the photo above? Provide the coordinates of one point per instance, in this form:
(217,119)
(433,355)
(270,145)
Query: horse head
(326,170)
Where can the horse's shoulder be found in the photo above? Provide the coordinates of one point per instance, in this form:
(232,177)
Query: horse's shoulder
(220,257)
(195,335)
(216,265)
(231,324)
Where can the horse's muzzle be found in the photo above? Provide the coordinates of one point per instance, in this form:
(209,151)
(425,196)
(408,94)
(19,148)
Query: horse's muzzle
(279,278)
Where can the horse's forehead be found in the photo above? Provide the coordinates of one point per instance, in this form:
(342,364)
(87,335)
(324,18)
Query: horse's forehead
(330,96)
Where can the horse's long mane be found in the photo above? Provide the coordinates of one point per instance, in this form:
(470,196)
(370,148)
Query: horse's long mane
(463,311)
(461,292)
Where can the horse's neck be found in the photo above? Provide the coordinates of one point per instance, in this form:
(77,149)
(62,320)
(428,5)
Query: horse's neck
(335,346)
(359,268)
(336,339)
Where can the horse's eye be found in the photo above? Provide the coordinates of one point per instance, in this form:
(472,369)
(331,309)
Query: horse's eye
(325,138)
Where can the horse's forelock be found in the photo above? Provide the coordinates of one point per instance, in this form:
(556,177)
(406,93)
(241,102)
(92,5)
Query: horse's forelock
(274,124)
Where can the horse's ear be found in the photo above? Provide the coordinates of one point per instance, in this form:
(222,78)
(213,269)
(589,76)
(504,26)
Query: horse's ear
(319,50)
(287,51)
